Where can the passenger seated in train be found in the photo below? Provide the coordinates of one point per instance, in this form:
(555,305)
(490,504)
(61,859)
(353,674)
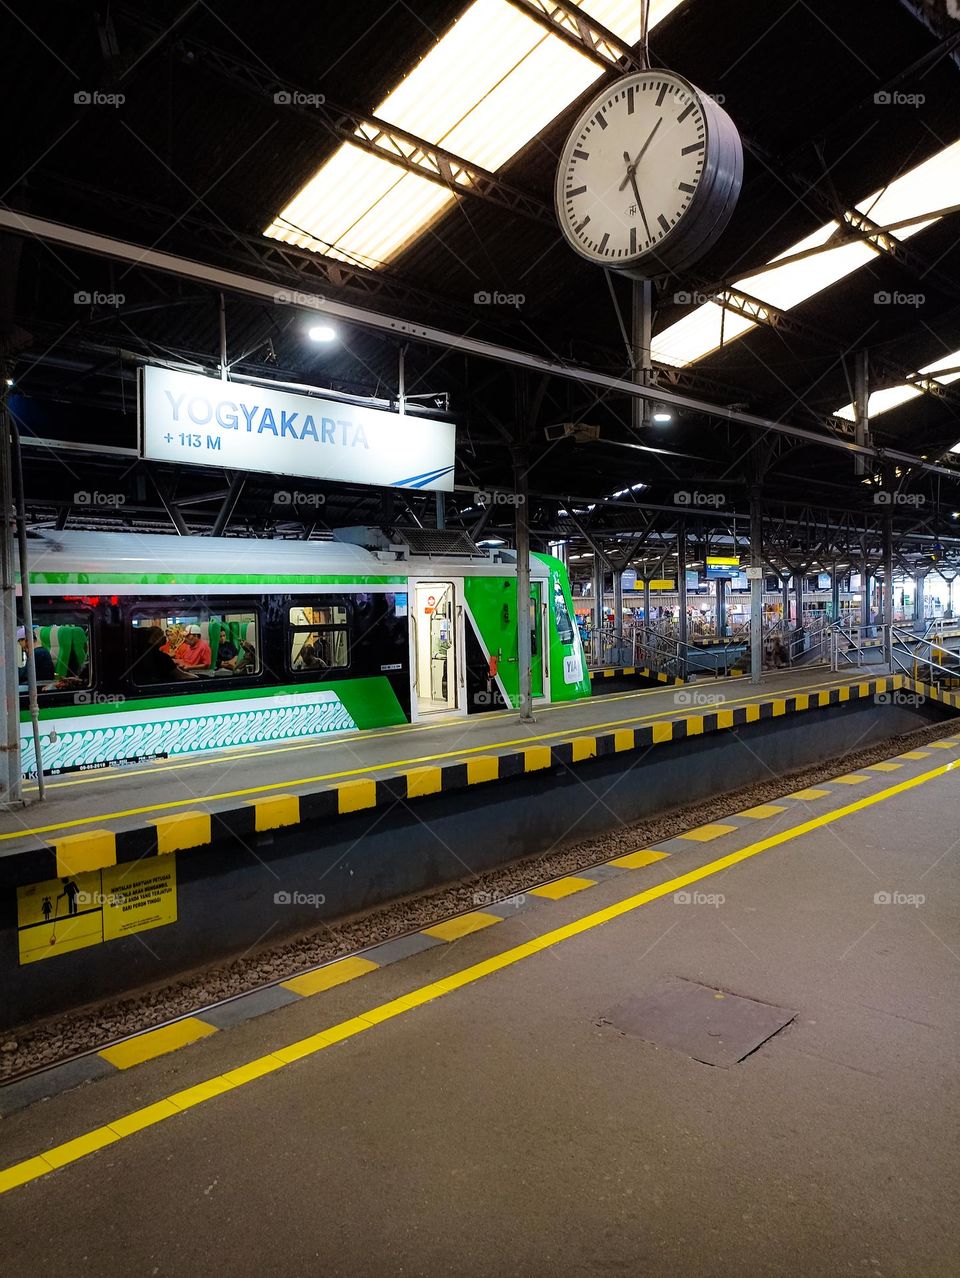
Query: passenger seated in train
(43,662)
(312,655)
(244,662)
(152,664)
(226,653)
(194,652)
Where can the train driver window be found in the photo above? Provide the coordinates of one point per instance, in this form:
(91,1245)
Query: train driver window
(319,637)
(61,651)
(560,614)
(172,647)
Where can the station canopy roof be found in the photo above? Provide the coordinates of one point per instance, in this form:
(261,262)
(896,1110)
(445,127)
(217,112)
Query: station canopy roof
(402,158)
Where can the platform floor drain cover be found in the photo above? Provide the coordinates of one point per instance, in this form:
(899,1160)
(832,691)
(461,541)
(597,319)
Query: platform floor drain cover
(707,1024)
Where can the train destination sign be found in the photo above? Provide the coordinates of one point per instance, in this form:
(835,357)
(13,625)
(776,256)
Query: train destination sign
(203,421)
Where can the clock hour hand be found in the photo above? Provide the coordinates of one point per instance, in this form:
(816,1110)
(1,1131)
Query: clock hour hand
(633,182)
(626,156)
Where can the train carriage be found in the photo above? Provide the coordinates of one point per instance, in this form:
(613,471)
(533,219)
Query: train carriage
(155,646)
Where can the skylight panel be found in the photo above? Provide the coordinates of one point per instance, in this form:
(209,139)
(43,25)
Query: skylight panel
(931,185)
(882,401)
(495,80)
(703,330)
(523,104)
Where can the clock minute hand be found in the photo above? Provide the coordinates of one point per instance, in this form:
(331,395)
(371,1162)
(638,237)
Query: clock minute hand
(643,149)
(632,165)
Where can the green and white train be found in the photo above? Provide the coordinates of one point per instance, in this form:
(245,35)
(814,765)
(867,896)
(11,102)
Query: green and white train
(166,646)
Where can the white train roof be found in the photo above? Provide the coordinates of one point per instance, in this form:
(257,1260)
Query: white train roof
(100,554)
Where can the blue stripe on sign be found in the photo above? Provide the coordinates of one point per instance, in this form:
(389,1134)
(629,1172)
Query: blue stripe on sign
(420,481)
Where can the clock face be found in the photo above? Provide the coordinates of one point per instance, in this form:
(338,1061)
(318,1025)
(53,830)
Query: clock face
(638,166)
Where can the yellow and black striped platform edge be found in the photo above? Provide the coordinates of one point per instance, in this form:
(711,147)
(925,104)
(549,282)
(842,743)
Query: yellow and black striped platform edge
(637,672)
(931,692)
(194,830)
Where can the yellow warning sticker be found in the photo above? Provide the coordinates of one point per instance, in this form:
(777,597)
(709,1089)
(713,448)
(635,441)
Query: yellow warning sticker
(77,910)
(59,915)
(135,900)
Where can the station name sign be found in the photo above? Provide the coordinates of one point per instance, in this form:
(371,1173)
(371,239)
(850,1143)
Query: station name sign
(203,421)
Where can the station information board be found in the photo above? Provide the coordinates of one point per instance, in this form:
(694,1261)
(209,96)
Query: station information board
(203,421)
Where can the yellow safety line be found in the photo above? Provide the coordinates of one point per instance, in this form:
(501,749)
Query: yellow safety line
(229,754)
(290,782)
(73,1150)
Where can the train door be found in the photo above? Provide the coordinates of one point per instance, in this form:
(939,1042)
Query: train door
(538,640)
(437,641)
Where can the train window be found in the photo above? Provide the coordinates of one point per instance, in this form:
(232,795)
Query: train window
(61,651)
(171,646)
(561,615)
(319,637)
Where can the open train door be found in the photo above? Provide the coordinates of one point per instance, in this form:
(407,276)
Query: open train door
(539,644)
(437,645)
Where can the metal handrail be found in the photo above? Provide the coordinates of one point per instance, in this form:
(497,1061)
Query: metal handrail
(912,667)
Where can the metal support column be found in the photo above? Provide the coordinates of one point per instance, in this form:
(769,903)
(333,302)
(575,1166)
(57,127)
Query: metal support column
(646,601)
(888,591)
(524,637)
(835,594)
(721,607)
(861,406)
(683,629)
(918,599)
(10,789)
(618,612)
(642,325)
(598,603)
(785,585)
(798,592)
(756,591)
(26,605)
(865,594)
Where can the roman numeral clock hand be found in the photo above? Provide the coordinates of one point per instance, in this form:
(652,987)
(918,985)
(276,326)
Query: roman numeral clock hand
(692,171)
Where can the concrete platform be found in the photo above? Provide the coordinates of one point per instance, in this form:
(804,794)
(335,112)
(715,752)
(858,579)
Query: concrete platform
(472,1108)
(97,818)
(212,863)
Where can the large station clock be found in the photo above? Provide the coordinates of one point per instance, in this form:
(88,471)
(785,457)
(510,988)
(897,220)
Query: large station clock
(649,175)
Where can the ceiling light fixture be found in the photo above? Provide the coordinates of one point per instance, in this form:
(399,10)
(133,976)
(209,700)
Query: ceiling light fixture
(322,333)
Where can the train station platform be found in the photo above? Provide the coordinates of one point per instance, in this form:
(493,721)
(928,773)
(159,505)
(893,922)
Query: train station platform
(168,805)
(723,1053)
(211,854)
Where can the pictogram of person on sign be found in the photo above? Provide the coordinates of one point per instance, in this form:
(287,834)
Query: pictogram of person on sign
(71,892)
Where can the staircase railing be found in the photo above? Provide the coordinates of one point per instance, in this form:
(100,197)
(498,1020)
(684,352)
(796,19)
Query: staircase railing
(923,659)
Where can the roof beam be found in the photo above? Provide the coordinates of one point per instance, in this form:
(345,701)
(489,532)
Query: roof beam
(219,278)
(369,133)
(576,28)
(291,264)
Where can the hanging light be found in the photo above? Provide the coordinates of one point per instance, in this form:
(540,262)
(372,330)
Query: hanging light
(322,333)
